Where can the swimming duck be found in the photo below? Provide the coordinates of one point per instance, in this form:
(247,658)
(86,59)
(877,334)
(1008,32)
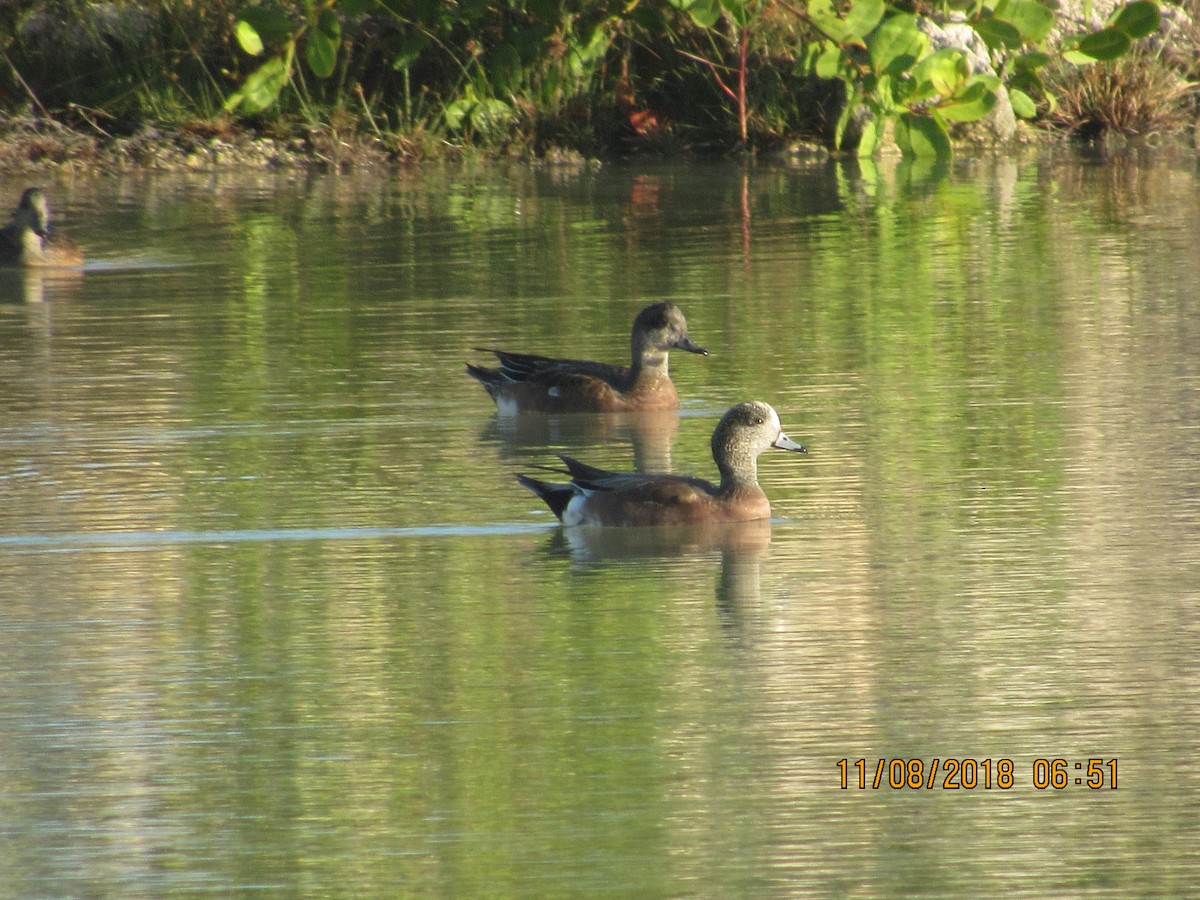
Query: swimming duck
(528,383)
(28,240)
(598,497)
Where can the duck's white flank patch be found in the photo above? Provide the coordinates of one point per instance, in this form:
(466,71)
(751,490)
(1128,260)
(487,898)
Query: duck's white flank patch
(573,514)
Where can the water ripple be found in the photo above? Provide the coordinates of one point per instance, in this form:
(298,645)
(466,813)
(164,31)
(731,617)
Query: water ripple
(140,540)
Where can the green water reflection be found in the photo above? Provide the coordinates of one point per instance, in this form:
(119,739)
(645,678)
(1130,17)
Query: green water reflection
(277,617)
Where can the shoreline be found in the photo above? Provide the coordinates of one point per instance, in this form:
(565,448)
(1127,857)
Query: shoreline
(32,144)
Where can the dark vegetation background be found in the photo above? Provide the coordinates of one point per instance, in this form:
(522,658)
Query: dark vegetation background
(148,81)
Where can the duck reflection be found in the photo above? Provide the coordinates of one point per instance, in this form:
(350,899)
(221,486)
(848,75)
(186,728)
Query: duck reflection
(650,434)
(742,547)
(33,285)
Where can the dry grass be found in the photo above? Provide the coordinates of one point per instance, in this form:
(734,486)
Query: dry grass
(1179,51)
(1138,96)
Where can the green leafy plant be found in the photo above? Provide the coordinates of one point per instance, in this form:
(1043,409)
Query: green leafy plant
(544,58)
(740,13)
(260,27)
(484,69)
(887,65)
(494,72)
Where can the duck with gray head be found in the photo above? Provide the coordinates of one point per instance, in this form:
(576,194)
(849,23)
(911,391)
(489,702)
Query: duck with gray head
(538,384)
(29,241)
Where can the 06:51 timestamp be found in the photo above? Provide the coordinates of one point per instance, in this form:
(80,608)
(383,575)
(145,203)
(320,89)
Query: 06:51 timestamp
(1057,773)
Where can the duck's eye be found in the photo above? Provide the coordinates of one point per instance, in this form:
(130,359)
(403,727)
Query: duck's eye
(758,420)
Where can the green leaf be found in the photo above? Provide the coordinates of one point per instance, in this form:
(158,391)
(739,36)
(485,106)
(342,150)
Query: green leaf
(989,82)
(737,11)
(457,113)
(886,96)
(973,101)
(353,8)
(998,34)
(1028,83)
(853,98)
(321,54)
(322,45)
(944,69)
(262,86)
(271,26)
(593,49)
(1137,19)
(1104,45)
(489,116)
(407,49)
(705,13)
(828,62)
(248,38)
(820,58)
(921,136)
(806,58)
(1030,17)
(896,45)
(1022,103)
(848,26)
(869,142)
(330,25)
(1031,61)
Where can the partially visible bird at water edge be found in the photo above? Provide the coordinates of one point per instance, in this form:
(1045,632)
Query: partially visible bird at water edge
(29,240)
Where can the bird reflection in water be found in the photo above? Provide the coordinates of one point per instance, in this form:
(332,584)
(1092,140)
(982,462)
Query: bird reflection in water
(33,285)
(650,434)
(742,547)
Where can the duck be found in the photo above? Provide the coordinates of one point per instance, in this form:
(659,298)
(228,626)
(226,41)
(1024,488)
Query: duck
(525,383)
(28,240)
(624,499)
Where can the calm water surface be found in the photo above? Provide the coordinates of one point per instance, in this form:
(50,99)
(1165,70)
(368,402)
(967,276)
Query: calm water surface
(277,619)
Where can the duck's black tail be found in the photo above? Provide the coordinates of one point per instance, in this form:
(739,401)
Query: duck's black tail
(555,496)
(489,378)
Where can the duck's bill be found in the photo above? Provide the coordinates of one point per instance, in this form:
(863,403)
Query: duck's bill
(686,343)
(783,442)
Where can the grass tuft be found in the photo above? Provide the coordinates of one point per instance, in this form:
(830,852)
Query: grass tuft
(1137,95)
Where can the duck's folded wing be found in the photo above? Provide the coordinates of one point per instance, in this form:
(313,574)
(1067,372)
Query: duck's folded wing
(583,474)
(666,490)
(661,490)
(523,366)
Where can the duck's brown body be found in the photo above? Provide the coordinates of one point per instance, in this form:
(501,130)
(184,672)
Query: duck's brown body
(525,383)
(599,497)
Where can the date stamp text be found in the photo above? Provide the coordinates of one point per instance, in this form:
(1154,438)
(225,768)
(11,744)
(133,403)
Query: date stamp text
(955,774)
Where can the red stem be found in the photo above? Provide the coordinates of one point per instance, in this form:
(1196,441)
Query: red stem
(744,44)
